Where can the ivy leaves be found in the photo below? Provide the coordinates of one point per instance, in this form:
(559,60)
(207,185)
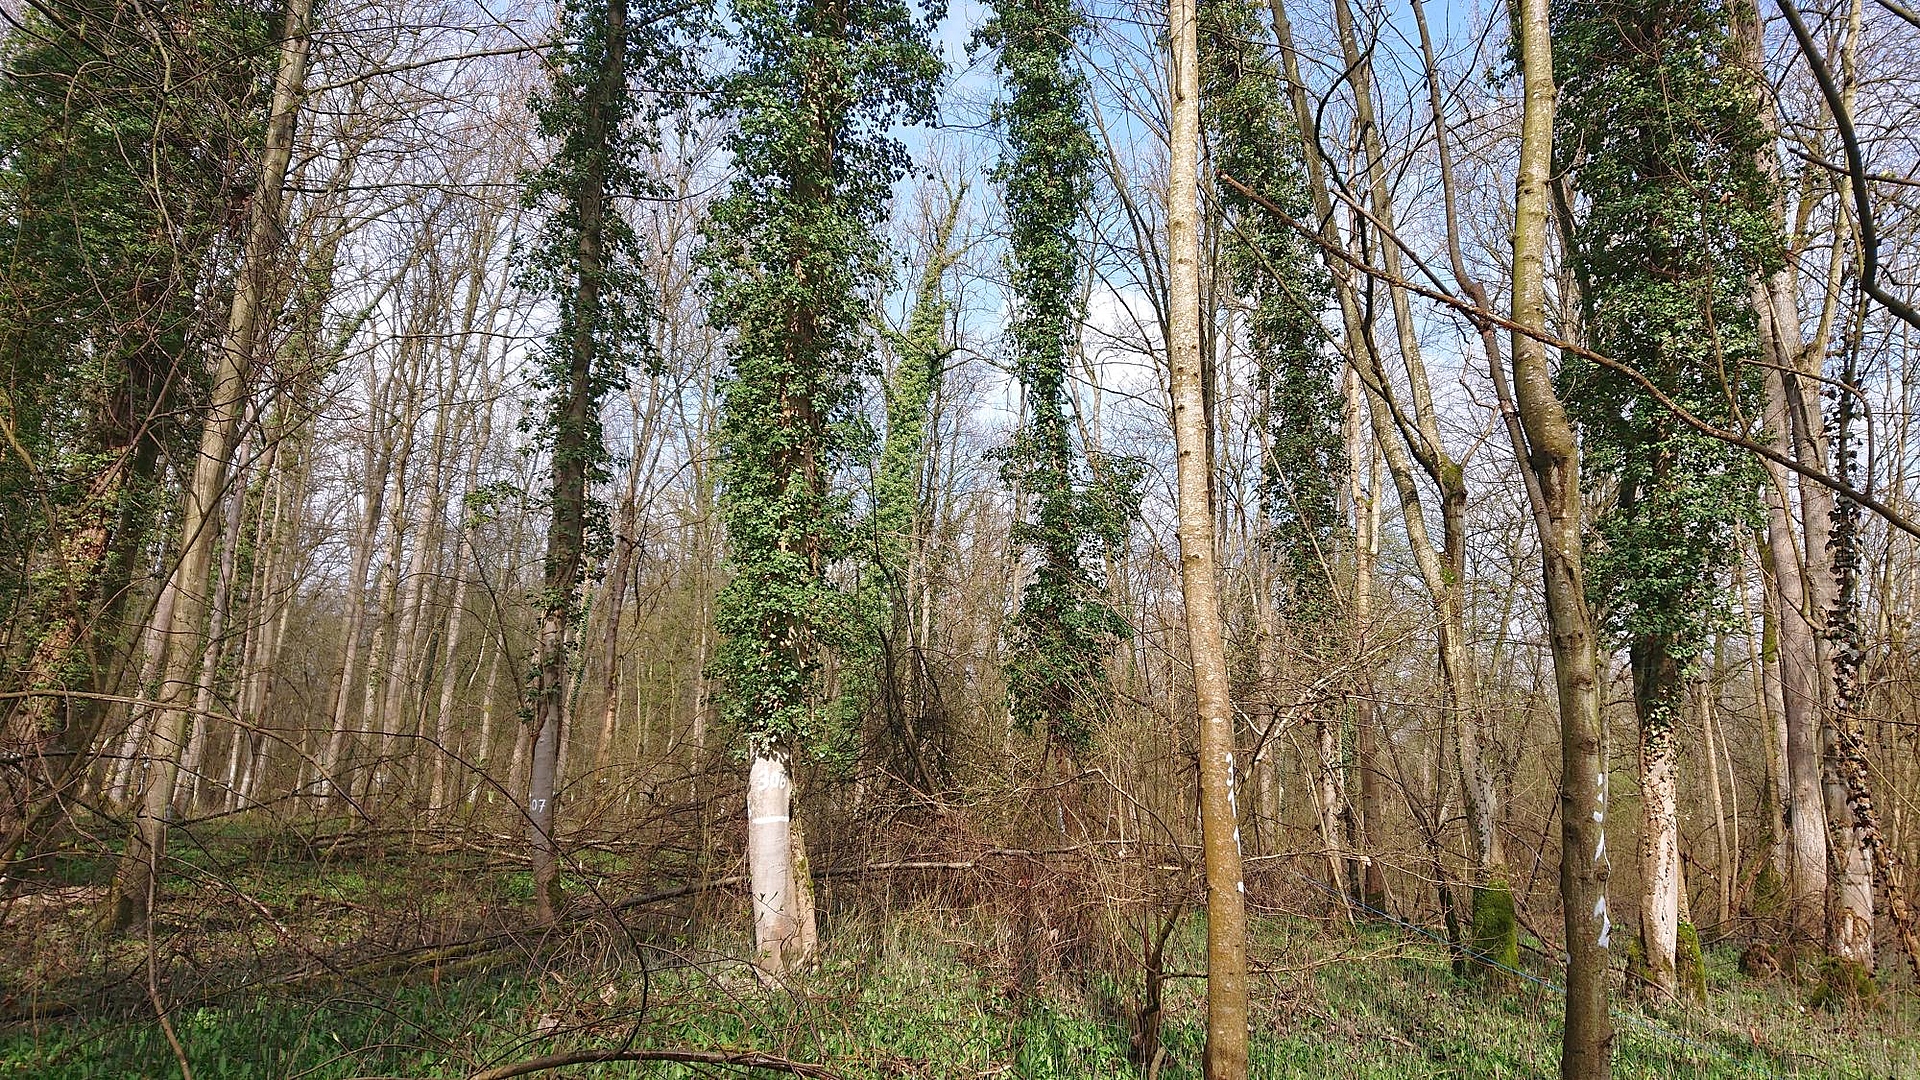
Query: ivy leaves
(1280,280)
(1674,224)
(1065,629)
(791,253)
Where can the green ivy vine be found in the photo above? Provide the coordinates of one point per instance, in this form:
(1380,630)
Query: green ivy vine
(791,254)
(1278,277)
(1066,628)
(1672,225)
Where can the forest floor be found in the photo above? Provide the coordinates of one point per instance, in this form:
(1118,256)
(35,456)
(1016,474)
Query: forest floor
(377,963)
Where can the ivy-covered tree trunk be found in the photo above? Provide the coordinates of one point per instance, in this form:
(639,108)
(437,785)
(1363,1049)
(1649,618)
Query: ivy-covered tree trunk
(791,250)
(1552,453)
(1858,856)
(1674,224)
(123,125)
(1065,629)
(899,525)
(54,728)
(586,110)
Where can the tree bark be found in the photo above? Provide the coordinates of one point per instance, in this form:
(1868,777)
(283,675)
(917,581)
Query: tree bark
(1364,494)
(770,863)
(191,783)
(127,902)
(1442,570)
(333,758)
(1658,694)
(566,537)
(1226,1051)
(1551,453)
(1802,575)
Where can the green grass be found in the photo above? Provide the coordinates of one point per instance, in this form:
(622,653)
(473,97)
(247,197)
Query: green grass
(918,997)
(918,994)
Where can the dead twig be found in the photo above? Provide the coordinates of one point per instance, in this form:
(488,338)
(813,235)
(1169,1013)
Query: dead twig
(740,1059)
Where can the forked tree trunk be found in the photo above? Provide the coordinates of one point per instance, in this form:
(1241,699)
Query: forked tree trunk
(1442,569)
(1226,1050)
(1550,451)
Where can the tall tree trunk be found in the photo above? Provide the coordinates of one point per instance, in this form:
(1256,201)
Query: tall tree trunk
(1855,820)
(483,741)
(614,599)
(1226,1050)
(1802,697)
(572,446)
(1726,856)
(1364,495)
(333,759)
(192,780)
(378,709)
(1551,453)
(456,620)
(1768,693)
(1800,573)
(127,760)
(1443,571)
(127,902)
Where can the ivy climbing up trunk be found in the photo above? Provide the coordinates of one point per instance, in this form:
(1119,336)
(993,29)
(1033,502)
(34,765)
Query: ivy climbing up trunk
(904,690)
(791,252)
(587,258)
(1673,225)
(1065,629)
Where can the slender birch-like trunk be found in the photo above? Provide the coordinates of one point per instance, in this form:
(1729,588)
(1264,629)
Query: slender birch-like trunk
(1226,1050)
(1442,569)
(333,759)
(1550,451)
(191,782)
(1364,487)
(128,900)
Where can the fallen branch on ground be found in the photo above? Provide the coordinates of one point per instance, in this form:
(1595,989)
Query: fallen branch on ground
(745,1059)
